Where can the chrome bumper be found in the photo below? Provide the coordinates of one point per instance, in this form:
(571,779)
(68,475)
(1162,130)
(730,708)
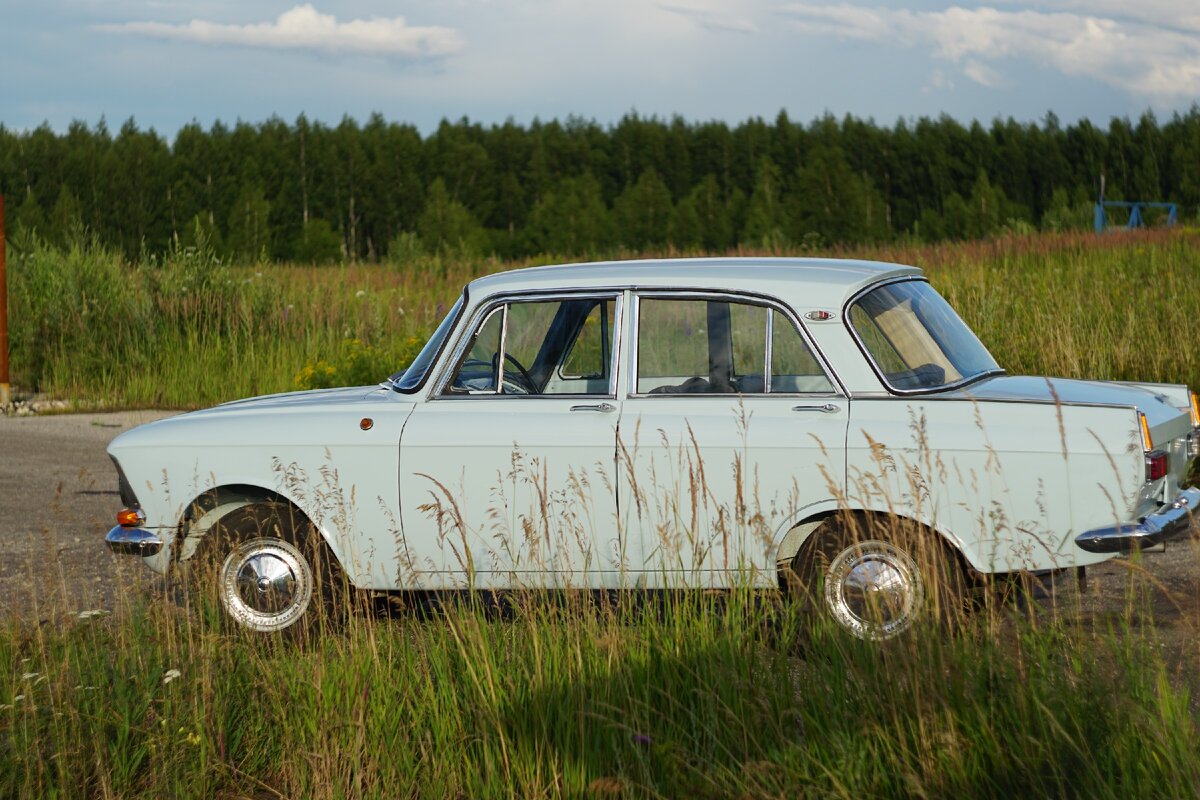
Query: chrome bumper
(133,541)
(1168,522)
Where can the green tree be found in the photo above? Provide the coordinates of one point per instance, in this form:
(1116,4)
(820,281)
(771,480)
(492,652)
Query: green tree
(319,243)
(643,212)
(765,216)
(446,225)
(248,234)
(834,202)
(570,219)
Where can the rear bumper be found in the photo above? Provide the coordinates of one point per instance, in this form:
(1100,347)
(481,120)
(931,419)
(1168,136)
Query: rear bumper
(1169,521)
(133,541)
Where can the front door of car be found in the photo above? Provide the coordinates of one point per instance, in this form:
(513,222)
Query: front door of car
(507,469)
(731,428)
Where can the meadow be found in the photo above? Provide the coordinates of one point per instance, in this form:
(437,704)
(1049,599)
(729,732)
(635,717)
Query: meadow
(695,695)
(186,331)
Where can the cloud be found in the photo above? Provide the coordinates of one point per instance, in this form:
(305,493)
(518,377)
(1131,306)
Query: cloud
(712,20)
(305,28)
(1140,58)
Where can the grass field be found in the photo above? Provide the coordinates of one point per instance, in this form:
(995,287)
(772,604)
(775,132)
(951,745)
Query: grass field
(186,332)
(693,696)
(700,695)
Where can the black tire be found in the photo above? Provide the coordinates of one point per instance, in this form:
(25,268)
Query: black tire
(265,569)
(878,577)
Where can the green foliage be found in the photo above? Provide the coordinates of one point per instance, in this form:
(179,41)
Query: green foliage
(189,330)
(570,218)
(446,226)
(505,188)
(318,243)
(686,696)
(249,229)
(643,212)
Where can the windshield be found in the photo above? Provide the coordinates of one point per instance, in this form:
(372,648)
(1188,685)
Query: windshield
(411,379)
(915,338)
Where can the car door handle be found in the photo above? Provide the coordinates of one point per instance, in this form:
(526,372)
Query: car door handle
(826,408)
(603,408)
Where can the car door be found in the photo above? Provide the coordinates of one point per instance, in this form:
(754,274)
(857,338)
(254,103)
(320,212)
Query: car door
(731,428)
(507,470)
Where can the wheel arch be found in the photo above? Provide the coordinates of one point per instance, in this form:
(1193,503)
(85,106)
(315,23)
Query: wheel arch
(800,534)
(214,504)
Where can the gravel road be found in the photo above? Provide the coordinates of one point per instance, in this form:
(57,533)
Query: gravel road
(58,497)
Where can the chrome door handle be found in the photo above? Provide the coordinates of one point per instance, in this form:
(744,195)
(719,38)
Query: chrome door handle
(603,408)
(827,408)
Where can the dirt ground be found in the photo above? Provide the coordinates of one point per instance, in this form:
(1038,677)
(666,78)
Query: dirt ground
(58,497)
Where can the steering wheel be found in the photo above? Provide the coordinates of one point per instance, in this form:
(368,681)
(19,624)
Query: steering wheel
(525,384)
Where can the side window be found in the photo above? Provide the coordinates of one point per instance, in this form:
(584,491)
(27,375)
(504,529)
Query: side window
(794,368)
(539,347)
(688,346)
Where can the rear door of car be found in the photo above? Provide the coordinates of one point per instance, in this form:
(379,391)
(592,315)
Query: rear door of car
(730,427)
(507,468)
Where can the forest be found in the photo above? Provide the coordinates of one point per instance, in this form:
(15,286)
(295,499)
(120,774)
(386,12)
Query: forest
(308,192)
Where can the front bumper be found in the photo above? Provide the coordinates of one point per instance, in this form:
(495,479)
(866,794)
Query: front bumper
(1169,521)
(133,541)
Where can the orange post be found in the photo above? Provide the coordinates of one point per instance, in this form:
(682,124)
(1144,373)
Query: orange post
(4,387)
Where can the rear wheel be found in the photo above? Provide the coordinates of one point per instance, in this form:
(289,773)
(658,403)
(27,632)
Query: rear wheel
(268,568)
(876,578)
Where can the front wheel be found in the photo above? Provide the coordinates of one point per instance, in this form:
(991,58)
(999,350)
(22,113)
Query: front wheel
(878,579)
(268,569)
(265,584)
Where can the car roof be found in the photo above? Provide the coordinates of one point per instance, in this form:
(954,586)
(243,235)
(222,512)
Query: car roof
(819,281)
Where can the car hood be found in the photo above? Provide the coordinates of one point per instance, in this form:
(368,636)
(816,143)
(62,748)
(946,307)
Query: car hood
(1156,405)
(308,399)
(293,416)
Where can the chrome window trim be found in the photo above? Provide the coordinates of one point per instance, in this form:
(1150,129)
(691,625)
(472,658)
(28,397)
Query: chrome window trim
(749,298)
(875,367)
(472,322)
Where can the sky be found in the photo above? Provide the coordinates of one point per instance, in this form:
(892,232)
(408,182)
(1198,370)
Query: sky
(168,62)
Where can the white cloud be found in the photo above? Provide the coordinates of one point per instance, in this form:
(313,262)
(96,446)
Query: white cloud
(982,74)
(305,28)
(712,19)
(1140,58)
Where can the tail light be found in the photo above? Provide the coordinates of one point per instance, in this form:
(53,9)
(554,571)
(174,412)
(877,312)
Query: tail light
(1193,446)
(1156,465)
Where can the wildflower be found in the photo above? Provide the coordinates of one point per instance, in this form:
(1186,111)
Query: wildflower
(193,738)
(28,676)
(642,739)
(18,698)
(95,612)
(360,293)
(170,675)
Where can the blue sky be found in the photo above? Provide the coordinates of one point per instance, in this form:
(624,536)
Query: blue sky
(166,62)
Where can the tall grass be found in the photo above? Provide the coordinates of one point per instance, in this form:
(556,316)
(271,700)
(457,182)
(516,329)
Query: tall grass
(186,331)
(693,695)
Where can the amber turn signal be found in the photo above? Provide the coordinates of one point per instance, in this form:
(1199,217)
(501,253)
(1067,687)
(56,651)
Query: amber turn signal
(129,517)
(1195,410)
(1147,442)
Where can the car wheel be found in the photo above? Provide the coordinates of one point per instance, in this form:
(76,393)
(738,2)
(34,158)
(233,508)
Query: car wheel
(877,579)
(268,569)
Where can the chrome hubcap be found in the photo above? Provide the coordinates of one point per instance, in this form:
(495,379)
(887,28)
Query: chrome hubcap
(266,584)
(874,590)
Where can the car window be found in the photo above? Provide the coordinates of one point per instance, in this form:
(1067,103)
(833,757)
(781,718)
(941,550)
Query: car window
(540,347)
(698,346)
(915,339)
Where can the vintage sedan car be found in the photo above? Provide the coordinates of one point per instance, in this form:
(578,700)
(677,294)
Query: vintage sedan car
(658,424)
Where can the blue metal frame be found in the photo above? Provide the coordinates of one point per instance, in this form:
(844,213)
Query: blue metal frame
(1136,218)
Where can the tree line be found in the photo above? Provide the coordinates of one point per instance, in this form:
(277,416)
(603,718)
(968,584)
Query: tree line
(311,192)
